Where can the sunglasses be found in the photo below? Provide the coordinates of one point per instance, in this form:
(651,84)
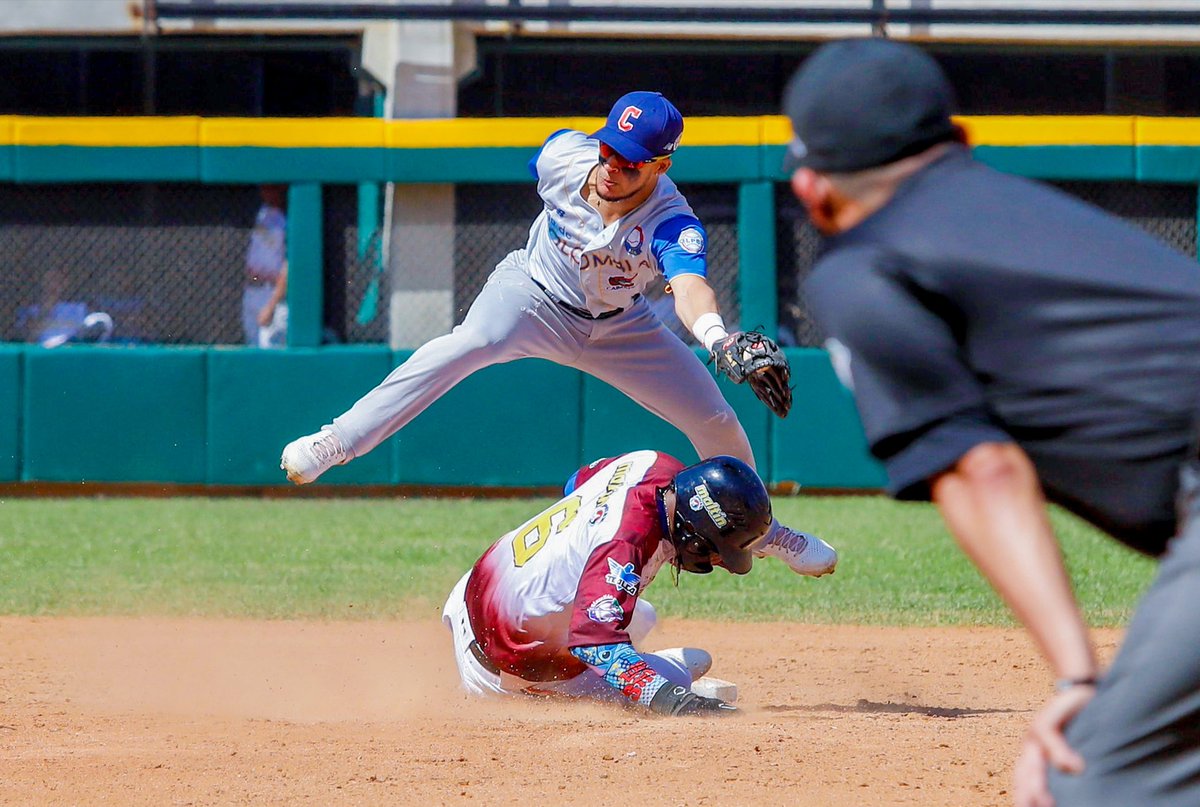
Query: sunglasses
(609,156)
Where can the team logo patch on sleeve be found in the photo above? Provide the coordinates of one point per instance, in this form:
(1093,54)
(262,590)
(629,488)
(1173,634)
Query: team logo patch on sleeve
(691,240)
(623,578)
(605,609)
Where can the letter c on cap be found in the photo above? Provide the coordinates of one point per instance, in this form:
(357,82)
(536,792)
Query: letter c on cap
(630,112)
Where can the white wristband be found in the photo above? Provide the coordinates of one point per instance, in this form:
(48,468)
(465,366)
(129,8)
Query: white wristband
(709,329)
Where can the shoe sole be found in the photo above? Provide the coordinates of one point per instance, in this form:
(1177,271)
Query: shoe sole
(293,476)
(823,572)
(807,573)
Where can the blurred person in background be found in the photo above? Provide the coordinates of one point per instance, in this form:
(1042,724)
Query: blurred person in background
(264,300)
(54,321)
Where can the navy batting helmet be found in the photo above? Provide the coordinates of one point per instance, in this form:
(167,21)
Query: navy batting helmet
(721,508)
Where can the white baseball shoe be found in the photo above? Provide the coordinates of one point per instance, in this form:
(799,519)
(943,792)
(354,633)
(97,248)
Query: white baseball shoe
(805,554)
(312,455)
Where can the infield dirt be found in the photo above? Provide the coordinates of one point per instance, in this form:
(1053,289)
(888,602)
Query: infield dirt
(200,712)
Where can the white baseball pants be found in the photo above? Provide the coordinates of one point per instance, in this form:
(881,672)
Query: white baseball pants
(478,681)
(513,319)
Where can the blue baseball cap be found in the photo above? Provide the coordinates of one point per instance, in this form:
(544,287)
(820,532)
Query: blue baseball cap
(642,126)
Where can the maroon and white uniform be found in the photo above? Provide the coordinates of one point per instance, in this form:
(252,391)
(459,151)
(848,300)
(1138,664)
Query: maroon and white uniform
(569,577)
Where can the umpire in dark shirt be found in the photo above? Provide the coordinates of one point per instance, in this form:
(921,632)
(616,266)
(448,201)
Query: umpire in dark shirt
(1009,344)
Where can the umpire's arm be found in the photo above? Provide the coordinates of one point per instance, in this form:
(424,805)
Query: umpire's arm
(993,503)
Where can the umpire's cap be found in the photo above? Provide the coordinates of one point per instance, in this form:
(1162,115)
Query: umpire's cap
(721,509)
(859,103)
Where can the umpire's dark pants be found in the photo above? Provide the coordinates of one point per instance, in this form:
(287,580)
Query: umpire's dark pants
(1140,736)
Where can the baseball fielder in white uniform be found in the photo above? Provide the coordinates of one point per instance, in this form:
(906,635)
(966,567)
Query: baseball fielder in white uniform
(554,606)
(612,221)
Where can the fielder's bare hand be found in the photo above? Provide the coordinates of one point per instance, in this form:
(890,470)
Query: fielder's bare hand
(1045,745)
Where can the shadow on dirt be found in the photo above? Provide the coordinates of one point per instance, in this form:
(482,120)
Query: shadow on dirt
(872,707)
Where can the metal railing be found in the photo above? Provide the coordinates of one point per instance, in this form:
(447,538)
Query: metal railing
(876,14)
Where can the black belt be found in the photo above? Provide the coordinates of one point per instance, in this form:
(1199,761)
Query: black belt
(576,310)
(482,658)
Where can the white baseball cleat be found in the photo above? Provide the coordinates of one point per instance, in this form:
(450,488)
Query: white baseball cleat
(805,554)
(312,455)
(696,661)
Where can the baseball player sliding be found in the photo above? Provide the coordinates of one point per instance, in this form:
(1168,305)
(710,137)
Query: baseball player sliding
(554,606)
(612,222)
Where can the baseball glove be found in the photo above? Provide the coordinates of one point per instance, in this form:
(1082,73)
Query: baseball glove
(749,355)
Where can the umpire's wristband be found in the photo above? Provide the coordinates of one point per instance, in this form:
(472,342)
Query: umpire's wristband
(1063,684)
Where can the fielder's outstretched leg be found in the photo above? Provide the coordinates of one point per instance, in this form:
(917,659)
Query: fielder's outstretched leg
(637,354)
(510,319)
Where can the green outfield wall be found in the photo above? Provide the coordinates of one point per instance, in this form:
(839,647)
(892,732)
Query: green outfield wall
(220,415)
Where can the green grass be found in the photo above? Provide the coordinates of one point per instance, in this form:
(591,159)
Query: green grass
(399,558)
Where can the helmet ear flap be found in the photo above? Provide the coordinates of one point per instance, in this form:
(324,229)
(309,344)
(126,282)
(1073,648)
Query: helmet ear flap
(693,552)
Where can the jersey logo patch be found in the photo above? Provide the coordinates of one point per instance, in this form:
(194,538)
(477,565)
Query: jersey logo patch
(599,515)
(623,578)
(620,282)
(691,240)
(634,241)
(605,609)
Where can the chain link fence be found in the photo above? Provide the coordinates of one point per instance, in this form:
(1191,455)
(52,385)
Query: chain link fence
(1167,212)
(356,286)
(796,245)
(167,263)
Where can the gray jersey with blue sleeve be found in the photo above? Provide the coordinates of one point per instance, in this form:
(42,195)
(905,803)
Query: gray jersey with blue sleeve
(589,265)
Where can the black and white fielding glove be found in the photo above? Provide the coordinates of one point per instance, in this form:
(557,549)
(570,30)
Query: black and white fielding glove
(754,357)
